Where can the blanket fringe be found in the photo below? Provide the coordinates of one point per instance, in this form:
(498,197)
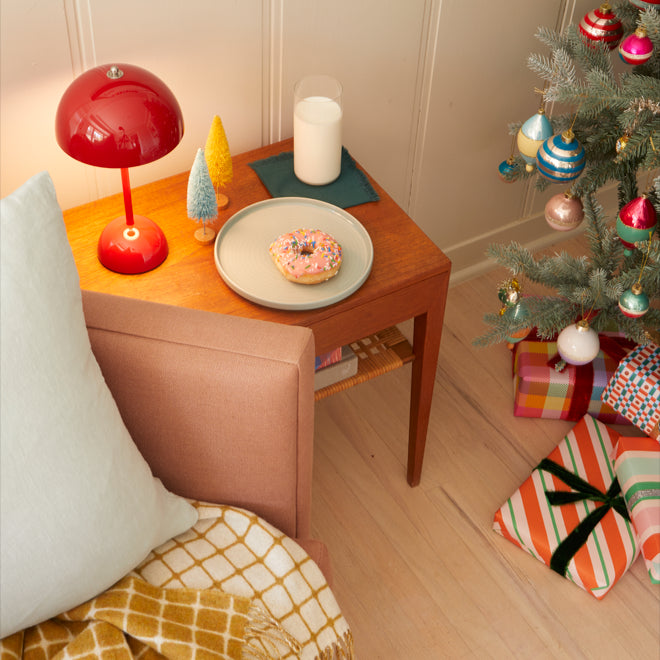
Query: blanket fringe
(343,649)
(263,634)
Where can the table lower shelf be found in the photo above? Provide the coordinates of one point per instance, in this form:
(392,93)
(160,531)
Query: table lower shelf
(377,354)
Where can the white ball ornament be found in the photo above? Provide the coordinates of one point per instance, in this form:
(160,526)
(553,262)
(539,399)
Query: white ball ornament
(578,344)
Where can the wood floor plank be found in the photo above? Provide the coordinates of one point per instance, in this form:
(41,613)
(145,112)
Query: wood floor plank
(419,572)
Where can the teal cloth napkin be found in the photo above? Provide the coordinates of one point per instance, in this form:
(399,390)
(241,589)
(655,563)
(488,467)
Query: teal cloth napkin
(349,189)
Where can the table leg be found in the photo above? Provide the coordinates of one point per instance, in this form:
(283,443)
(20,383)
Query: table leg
(426,345)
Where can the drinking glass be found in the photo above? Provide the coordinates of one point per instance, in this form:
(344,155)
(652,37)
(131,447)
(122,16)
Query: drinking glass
(317,116)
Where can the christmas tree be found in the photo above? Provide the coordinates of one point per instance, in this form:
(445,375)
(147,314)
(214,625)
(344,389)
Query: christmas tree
(202,205)
(609,131)
(218,160)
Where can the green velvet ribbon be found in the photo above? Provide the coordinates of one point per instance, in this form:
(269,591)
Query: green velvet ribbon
(583,490)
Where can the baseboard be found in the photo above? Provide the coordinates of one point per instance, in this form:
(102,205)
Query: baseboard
(469,257)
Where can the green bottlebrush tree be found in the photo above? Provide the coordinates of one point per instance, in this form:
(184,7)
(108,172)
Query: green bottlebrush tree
(616,119)
(201,200)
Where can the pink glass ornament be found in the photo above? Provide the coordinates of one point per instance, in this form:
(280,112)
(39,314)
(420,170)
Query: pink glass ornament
(564,212)
(636,48)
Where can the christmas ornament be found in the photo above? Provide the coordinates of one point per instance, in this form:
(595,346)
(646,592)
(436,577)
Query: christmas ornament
(509,294)
(636,48)
(602,25)
(532,135)
(634,302)
(621,143)
(520,314)
(645,4)
(561,157)
(578,344)
(508,170)
(564,212)
(636,222)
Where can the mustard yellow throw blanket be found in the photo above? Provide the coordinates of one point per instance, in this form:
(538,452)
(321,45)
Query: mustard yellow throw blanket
(232,587)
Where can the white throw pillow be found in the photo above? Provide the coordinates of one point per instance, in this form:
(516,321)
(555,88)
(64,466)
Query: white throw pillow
(80,507)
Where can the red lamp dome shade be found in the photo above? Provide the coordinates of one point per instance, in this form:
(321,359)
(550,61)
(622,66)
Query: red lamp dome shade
(121,116)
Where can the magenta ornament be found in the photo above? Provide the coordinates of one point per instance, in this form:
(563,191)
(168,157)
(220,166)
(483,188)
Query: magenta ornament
(602,25)
(564,212)
(636,222)
(636,48)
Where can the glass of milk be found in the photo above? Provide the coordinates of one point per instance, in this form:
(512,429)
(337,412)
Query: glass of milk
(317,114)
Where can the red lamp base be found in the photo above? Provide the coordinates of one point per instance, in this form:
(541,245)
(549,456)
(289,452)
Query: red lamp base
(132,249)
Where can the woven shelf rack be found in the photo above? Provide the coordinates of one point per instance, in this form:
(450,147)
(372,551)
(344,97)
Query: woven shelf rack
(377,354)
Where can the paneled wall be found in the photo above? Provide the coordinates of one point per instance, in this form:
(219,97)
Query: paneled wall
(429,86)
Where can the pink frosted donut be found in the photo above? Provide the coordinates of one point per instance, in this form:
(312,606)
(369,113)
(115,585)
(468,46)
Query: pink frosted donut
(306,256)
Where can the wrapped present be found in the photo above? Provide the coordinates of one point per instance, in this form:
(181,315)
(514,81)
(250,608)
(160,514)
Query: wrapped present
(634,389)
(570,513)
(569,393)
(637,467)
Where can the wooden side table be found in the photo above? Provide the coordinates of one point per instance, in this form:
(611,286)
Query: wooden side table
(409,277)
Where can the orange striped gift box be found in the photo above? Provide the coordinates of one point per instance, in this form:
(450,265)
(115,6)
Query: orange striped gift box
(637,467)
(570,514)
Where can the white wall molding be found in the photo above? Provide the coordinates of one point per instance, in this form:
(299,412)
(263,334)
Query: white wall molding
(272,63)
(421,111)
(78,14)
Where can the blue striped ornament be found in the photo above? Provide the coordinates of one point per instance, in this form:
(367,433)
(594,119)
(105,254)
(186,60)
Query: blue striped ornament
(561,157)
(531,136)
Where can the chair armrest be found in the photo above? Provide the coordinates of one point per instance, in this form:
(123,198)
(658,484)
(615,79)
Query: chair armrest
(221,407)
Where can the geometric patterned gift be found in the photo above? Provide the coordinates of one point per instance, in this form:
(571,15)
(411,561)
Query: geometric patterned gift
(570,513)
(540,390)
(637,467)
(634,390)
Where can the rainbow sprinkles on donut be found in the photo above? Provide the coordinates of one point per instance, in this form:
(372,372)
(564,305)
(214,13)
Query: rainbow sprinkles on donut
(306,256)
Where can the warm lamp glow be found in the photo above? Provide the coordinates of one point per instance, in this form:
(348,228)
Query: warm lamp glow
(121,116)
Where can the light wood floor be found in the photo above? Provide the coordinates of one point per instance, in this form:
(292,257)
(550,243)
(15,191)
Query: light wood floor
(419,573)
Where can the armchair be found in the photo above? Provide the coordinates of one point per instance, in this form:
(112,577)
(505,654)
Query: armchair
(222,408)
(114,414)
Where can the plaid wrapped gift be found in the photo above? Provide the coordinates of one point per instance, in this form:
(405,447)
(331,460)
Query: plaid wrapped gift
(634,390)
(540,390)
(637,467)
(570,514)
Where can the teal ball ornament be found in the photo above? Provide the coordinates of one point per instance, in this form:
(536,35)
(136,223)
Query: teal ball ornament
(508,170)
(634,303)
(636,222)
(519,314)
(531,136)
(561,158)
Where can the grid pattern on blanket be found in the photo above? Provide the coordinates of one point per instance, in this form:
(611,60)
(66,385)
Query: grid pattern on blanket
(241,554)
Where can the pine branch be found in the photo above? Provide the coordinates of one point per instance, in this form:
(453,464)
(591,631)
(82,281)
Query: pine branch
(616,118)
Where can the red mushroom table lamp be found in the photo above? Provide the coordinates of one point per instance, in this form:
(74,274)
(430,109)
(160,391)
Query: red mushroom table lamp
(121,116)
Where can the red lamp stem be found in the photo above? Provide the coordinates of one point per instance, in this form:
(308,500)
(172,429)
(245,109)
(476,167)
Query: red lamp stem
(128,202)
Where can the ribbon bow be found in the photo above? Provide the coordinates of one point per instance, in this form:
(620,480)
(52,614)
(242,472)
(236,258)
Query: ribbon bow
(582,490)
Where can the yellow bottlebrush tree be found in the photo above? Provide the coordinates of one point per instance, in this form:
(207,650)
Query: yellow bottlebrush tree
(218,160)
